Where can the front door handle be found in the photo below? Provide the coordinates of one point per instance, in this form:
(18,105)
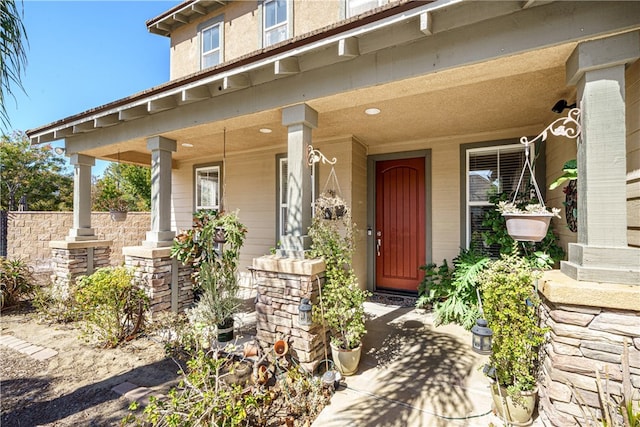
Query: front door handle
(378,244)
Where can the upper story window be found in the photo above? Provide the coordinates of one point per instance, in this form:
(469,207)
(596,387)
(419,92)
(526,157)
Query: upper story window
(356,7)
(211,35)
(489,171)
(276,21)
(207,187)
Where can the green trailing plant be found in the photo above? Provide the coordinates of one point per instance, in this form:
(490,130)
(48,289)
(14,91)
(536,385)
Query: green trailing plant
(342,299)
(216,265)
(510,304)
(204,398)
(112,305)
(16,281)
(544,254)
(452,291)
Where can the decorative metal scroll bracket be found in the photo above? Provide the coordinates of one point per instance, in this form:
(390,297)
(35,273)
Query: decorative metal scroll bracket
(568,127)
(315,156)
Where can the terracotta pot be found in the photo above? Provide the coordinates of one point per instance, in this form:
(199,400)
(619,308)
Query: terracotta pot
(280,348)
(346,361)
(527,227)
(517,413)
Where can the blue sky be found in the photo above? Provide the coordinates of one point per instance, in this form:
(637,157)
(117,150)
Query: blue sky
(83,54)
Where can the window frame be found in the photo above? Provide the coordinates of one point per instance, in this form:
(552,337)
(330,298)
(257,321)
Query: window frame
(347,5)
(218,21)
(286,23)
(465,203)
(204,167)
(280,158)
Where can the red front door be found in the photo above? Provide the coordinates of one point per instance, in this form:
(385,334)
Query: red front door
(400,224)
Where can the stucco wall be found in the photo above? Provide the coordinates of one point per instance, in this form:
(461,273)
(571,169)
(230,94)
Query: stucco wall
(243,31)
(29,233)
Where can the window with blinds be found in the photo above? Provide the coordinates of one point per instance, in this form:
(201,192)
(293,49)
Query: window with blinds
(490,171)
(356,7)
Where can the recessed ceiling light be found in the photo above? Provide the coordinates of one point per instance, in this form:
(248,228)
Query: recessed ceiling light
(186,144)
(265,130)
(372,111)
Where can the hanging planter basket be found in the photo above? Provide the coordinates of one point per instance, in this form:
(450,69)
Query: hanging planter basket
(118,216)
(527,227)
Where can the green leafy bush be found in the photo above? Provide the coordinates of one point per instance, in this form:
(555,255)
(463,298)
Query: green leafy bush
(112,305)
(203,398)
(452,291)
(510,304)
(341,305)
(16,281)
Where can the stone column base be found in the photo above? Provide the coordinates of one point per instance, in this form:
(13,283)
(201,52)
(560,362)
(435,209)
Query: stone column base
(167,282)
(78,258)
(589,325)
(282,283)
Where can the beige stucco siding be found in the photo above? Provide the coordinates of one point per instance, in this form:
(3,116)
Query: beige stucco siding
(241,36)
(311,15)
(632,79)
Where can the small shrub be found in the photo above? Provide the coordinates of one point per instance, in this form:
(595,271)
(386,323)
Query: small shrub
(452,292)
(111,304)
(16,281)
(204,399)
(56,303)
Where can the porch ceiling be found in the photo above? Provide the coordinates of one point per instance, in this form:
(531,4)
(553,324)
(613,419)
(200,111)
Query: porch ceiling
(512,94)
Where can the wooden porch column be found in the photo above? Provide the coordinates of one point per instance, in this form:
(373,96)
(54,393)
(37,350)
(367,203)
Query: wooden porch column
(81,198)
(160,234)
(300,120)
(602,253)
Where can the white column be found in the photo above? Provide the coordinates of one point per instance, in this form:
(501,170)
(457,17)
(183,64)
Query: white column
(300,120)
(602,253)
(81,198)
(160,234)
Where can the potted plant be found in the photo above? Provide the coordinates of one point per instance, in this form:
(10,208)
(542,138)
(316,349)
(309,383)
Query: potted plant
(510,305)
(118,208)
(527,221)
(216,266)
(341,306)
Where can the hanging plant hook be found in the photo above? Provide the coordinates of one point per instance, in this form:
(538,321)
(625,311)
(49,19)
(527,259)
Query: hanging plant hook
(315,156)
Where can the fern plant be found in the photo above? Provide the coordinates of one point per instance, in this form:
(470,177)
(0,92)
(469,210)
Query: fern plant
(452,291)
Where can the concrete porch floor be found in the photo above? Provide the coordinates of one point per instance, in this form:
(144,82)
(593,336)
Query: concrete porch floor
(412,374)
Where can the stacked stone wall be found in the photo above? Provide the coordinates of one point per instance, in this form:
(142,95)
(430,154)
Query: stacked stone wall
(277,312)
(156,275)
(584,340)
(29,234)
(69,263)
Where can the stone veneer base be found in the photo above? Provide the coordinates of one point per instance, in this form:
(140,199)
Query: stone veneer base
(281,284)
(589,323)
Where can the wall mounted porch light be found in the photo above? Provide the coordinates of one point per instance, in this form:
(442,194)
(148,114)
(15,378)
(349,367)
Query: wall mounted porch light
(562,105)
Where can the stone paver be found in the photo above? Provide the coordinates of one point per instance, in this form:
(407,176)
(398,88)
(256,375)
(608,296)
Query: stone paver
(32,350)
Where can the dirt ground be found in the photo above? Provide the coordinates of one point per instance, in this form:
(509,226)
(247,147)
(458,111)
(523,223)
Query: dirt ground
(73,388)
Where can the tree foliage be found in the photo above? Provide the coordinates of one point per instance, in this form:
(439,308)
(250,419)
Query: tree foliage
(34,172)
(13,56)
(128,183)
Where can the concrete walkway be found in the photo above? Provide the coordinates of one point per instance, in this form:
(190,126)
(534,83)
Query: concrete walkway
(413,374)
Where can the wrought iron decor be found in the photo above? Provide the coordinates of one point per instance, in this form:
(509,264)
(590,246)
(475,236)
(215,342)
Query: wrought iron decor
(315,156)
